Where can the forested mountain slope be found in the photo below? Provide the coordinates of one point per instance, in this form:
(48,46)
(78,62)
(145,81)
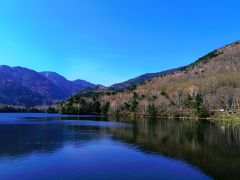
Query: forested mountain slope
(200,89)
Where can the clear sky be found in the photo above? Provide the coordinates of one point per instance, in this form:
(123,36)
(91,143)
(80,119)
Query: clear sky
(109,41)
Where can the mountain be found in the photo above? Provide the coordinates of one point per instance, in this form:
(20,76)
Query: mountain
(141,79)
(66,86)
(22,86)
(33,81)
(14,93)
(202,89)
(84,83)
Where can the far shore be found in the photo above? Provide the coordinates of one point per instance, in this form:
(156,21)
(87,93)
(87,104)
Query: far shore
(131,117)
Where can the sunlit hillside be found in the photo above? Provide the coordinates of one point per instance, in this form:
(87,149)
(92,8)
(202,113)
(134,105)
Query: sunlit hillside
(207,86)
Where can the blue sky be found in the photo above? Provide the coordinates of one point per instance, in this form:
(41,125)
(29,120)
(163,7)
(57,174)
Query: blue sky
(109,41)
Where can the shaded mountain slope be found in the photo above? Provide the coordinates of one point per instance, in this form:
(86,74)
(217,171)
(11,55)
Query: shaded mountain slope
(22,86)
(66,86)
(33,81)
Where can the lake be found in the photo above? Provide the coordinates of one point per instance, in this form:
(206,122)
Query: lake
(43,146)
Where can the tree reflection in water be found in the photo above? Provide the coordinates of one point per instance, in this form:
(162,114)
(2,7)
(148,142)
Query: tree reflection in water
(215,149)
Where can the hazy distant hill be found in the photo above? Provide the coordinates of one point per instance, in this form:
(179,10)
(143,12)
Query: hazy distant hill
(22,86)
(202,88)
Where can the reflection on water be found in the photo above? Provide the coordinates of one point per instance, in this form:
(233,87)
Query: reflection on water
(214,149)
(40,146)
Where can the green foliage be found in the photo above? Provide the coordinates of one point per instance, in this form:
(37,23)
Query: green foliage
(96,107)
(51,110)
(189,101)
(127,106)
(132,88)
(208,57)
(142,97)
(85,103)
(105,108)
(201,111)
(87,94)
(135,96)
(133,106)
(14,109)
(134,103)
(152,110)
(196,103)
(69,110)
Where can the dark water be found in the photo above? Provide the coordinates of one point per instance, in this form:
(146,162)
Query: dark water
(41,146)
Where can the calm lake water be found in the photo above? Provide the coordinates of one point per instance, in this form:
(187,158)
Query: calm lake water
(43,146)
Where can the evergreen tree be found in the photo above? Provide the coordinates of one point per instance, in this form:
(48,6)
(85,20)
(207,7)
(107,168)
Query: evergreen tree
(105,108)
(152,110)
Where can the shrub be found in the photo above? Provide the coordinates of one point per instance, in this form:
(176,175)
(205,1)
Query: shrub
(152,110)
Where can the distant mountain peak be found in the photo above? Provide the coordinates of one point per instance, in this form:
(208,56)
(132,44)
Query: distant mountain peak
(53,76)
(69,87)
(23,86)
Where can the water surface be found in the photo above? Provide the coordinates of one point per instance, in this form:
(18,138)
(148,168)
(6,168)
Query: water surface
(43,146)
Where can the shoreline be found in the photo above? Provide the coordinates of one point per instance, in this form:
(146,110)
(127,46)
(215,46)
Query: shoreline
(135,116)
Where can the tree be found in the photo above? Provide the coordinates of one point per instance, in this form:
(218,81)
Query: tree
(105,108)
(200,109)
(188,102)
(134,102)
(127,106)
(96,107)
(135,96)
(51,110)
(152,110)
(134,105)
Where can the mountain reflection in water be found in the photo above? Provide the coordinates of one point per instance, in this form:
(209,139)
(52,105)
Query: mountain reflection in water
(93,148)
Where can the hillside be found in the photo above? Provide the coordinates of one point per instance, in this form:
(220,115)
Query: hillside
(25,87)
(66,86)
(200,89)
(140,80)
(15,94)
